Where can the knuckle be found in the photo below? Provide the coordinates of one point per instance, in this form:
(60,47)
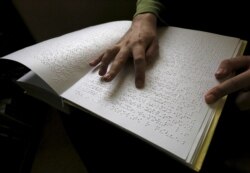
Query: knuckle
(113,72)
(104,61)
(109,51)
(219,91)
(139,60)
(120,60)
(138,41)
(227,62)
(234,83)
(116,64)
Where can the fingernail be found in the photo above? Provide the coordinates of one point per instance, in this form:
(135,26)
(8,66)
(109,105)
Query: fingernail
(220,71)
(91,61)
(107,77)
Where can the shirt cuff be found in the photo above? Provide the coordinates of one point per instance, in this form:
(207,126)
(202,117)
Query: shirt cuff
(150,6)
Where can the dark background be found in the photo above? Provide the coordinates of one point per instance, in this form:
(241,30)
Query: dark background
(20,125)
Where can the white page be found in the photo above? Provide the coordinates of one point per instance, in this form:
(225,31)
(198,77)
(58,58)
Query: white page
(36,87)
(63,60)
(170,111)
(35,81)
(195,151)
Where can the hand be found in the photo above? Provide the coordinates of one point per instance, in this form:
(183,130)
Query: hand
(240,82)
(139,43)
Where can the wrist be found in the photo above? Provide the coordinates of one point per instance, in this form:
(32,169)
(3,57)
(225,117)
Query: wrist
(145,18)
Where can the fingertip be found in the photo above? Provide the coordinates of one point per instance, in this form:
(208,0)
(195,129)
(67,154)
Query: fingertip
(92,63)
(139,84)
(220,73)
(102,71)
(107,77)
(210,98)
(95,61)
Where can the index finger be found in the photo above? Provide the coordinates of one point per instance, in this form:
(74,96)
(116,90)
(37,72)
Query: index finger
(228,66)
(229,86)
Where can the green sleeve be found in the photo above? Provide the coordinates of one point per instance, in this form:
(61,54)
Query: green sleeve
(149,6)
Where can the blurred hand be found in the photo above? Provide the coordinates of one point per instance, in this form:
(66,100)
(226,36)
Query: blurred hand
(140,43)
(239,83)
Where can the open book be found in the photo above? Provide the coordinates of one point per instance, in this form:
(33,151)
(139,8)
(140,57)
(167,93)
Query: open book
(169,112)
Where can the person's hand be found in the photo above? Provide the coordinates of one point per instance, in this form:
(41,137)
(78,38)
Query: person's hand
(240,82)
(140,43)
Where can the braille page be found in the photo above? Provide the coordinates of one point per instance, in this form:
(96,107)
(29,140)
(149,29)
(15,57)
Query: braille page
(62,61)
(170,111)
